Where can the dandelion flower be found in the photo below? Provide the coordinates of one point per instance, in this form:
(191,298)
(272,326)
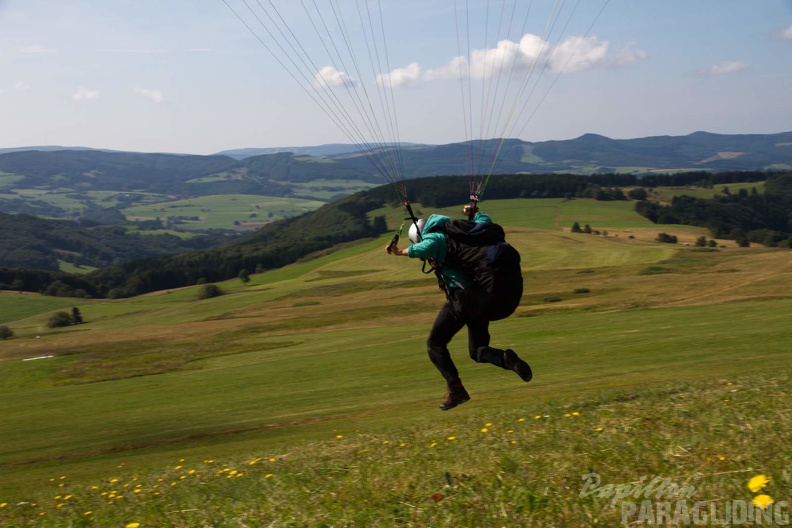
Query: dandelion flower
(758,482)
(575,413)
(567,415)
(721,458)
(339,437)
(484,429)
(521,420)
(88,513)
(268,475)
(272,460)
(133,525)
(452,438)
(3,504)
(488,424)
(600,429)
(433,444)
(538,416)
(762,501)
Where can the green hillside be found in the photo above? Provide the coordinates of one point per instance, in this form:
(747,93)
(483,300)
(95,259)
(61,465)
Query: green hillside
(312,384)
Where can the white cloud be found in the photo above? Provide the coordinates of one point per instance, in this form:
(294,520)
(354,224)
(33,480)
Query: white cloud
(401,76)
(787,33)
(84,94)
(155,95)
(22,87)
(449,71)
(571,55)
(724,68)
(578,54)
(329,76)
(36,49)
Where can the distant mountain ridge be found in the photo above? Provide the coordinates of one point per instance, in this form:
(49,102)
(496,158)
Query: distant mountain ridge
(585,154)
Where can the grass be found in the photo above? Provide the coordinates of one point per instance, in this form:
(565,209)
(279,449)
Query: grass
(222,211)
(305,398)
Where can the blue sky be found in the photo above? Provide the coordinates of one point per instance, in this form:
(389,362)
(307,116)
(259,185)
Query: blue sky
(188,76)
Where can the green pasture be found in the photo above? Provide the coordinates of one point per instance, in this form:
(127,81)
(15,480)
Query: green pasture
(667,193)
(15,306)
(221,211)
(327,189)
(312,384)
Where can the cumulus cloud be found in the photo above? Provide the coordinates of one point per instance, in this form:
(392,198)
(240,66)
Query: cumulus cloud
(84,94)
(155,95)
(407,76)
(329,76)
(724,68)
(570,55)
(787,33)
(577,54)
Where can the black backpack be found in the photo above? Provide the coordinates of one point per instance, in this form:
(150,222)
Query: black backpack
(480,251)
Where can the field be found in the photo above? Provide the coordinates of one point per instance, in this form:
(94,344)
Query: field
(305,398)
(221,211)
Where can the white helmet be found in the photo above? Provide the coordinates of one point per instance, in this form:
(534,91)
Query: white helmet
(415,233)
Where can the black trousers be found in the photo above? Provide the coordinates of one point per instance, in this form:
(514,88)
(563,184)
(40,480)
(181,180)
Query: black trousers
(462,308)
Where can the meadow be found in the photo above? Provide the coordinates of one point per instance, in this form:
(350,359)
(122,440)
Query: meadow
(221,211)
(305,398)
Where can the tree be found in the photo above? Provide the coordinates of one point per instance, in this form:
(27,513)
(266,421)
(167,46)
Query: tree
(244,276)
(668,239)
(701,241)
(576,227)
(587,229)
(209,291)
(637,194)
(76,316)
(5,332)
(59,319)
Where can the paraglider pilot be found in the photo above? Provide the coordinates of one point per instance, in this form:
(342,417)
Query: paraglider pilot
(463,307)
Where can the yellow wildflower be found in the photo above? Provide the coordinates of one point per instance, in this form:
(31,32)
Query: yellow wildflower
(567,415)
(3,504)
(537,416)
(339,437)
(521,420)
(133,525)
(575,413)
(762,501)
(758,482)
(488,424)
(600,429)
(268,475)
(484,430)
(452,438)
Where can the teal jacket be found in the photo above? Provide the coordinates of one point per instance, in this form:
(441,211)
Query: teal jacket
(433,245)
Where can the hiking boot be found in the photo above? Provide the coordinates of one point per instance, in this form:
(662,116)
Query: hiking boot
(513,362)
(456,395)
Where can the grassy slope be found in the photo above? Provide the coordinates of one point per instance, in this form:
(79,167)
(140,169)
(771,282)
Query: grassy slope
(305,354)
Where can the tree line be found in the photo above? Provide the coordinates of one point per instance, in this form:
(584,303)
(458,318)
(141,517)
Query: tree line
(744,216)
